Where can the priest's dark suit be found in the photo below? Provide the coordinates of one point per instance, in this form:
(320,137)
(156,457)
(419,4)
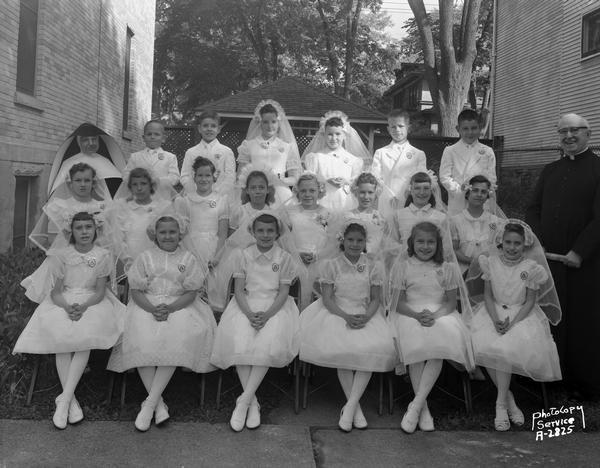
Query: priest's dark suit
(565,215)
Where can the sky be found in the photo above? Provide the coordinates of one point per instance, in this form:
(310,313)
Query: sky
(399,11)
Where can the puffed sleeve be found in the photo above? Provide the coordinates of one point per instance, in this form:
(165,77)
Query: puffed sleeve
(138,274)
(328,272)
(357,167)
(236,217)
(376,274)
(105,264)
(311,162)
(56,264)
(57,212)
(244,153)
(398,275)
(288,270)
(223,208)
(181,206)
(194,274)
(484,263)
(292,161)
(536,276)
(454,228)
(450,276)
(240,261)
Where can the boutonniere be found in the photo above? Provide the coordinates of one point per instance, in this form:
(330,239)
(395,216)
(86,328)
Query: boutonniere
(275,267)
(212,203)
(376,219)
(181,267)
(102,206)
(439,272)
(281,149)
(91,261)
(409,155)
(322,220)
(360,267)
(161,156)
(493,226)
(524,275)
(346,160)
(217,156)
(481,151)
(217,174)
(264,144)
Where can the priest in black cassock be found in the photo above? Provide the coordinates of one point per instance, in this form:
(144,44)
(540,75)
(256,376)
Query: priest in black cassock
(565,215)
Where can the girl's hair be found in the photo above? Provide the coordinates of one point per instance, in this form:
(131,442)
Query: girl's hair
(334,122)
(307,176)
(209,114)
(141,172)
(430,228)
(353,227)
(268,109)
(417,178)
(203,162)
(478,179)
(82,216)
(165,219)
(267,219)
(270,198)
(516,228)
(80,167)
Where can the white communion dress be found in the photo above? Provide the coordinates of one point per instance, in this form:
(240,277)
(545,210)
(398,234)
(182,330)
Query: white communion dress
(277,343)
(325,338)
(472,233)
(186,337)
(527,348)
(374,223)
(337,163)
(425,284)
(50,330)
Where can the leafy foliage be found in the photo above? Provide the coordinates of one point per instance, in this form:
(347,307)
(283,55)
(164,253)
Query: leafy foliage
(208,49)
(16,310)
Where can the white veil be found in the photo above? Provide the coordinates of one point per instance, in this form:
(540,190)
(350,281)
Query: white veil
(352,141)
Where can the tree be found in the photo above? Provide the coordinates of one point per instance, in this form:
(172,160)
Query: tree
(449,66)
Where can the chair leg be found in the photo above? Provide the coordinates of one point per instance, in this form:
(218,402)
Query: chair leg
(545,396)
(219,385)
(380,405)
(391,393)
(34,375)
(202,389)
(306,377)
(123,389)
(296,370)
(111,386)
(467,392)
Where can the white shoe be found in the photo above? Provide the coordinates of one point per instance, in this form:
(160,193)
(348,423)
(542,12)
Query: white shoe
(75,412)
(238,417)
(253,417)
(61,414)
(345,422)
(144,417)
(161,413)
(410,419)
(426,420)
(359,421)
(515,415)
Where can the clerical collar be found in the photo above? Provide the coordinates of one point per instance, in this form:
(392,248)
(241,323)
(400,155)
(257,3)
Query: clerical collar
(573,156)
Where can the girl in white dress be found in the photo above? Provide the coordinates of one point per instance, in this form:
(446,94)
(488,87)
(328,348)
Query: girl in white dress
(346,328)
(131,215)
(168,325)
(270,142)
(310,224)
(329,156)
(366,189)
(78,313)
(424,315)
(471,228)
(259,328)
(510,325)
(80,192)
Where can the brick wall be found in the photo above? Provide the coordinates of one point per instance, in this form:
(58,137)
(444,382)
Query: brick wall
(80,64)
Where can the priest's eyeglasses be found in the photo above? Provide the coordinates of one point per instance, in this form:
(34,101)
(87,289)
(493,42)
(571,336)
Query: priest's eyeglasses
(571,130)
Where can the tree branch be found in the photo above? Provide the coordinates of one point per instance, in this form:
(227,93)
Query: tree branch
(352,20)
(448,59)
(332,56)
(468,50)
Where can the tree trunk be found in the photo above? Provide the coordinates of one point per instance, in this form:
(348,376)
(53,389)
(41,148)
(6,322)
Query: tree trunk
(352,20)
(334,71)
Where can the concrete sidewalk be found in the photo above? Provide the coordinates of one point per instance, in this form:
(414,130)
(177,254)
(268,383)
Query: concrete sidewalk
(27,443)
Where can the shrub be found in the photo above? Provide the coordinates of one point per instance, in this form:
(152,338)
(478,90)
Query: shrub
(15,312)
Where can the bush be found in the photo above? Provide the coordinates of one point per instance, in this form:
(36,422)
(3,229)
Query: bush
(16,310)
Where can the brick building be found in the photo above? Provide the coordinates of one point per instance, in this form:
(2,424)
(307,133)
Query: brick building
(62,63)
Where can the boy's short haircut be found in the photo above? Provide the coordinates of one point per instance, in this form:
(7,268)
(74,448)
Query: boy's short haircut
(154,121)
(209,114)
(394,113)
(468,114)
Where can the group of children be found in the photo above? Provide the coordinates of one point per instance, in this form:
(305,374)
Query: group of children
(379,262)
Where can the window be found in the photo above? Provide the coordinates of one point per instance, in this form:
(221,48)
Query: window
(23,204)
(126,92)
(590,34)
(28,19)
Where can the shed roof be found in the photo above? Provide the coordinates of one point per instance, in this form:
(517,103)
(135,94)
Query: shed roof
(300,100)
